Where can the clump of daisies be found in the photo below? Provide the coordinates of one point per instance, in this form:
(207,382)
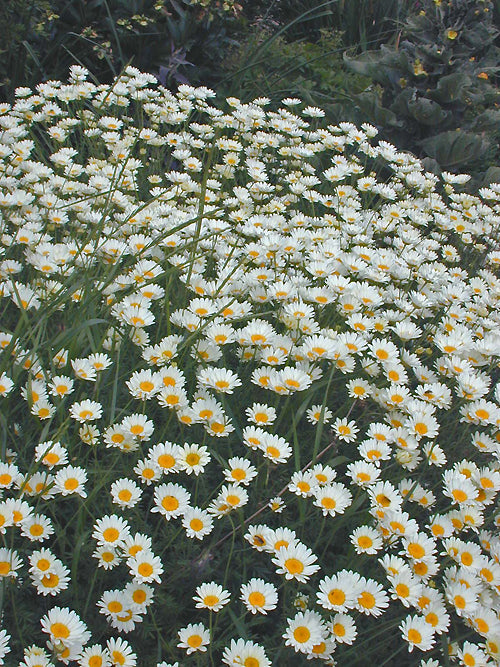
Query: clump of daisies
(249,384)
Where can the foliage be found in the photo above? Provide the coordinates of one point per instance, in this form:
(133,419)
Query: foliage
(173,39)
(273,67)
(367,24)
(363,23)
(437,90)
(23,24)
(242,351)
(177,40)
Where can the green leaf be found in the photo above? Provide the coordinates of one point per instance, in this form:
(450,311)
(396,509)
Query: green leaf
(370,105)
(399,105)
(488,121)
(69,334)
(386,66)
(455,148)
(366,64)
(451,88)
(427,112)
(492,175)
(242,631)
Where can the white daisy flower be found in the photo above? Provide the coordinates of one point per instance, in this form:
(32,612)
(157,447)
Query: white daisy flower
(259,596)
(211,596)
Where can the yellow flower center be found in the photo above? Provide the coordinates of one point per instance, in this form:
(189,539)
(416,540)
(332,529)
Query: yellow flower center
(366,600)
(459,495)
(193,459)
(466,558)
(71,484)
(294,566)
(51,458)
(118,658)
(166,461)
(145,569)
(196,524)
(111,534)
(365,542)
(273,452)
(416,550)
(256,599)
(383,500)
(217,427)
(338,629)
(59,630)
(194,641)
(414,636)
(210,600)
(139,596)
(402,590)
(420,568)
(146,386)
(301,634)
(482,626)
(432,619)
(170,503)
(251,662)
(4,568)
(50,580)
(336,596)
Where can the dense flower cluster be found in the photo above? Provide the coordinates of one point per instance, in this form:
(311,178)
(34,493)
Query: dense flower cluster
(298,325)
